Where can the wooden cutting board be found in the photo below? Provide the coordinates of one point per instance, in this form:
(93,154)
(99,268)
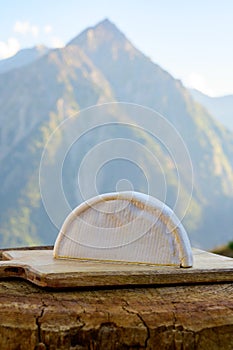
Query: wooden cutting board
(40,268)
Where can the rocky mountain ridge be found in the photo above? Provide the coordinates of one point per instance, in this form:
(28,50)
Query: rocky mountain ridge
(100,65)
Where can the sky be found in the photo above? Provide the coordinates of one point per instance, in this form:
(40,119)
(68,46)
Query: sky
(191,39)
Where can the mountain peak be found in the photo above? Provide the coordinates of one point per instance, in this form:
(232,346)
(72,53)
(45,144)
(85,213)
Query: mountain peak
(103,31)
(106,24)
(103,66)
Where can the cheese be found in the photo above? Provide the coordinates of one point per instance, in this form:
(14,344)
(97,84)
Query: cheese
(124,226)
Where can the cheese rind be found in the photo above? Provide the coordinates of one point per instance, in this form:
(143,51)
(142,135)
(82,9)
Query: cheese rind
(124,226)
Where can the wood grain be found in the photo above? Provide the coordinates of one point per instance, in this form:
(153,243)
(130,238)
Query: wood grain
(197,317)
(39,267)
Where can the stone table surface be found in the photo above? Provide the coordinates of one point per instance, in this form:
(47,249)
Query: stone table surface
(165,317)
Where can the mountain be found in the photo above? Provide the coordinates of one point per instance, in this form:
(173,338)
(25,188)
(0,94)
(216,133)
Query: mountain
(99,66)
(226,250)
(220,107)
(22,58)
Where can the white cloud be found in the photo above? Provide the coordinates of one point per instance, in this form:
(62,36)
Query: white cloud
(21,27)
(34,30)
(48,29)
(25,27)
(9,48)
(56,42)
(197,81)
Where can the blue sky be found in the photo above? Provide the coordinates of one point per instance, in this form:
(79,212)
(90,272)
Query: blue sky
(192,39)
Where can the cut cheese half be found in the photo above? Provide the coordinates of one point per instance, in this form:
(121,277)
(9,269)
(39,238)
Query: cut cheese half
(124,226)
